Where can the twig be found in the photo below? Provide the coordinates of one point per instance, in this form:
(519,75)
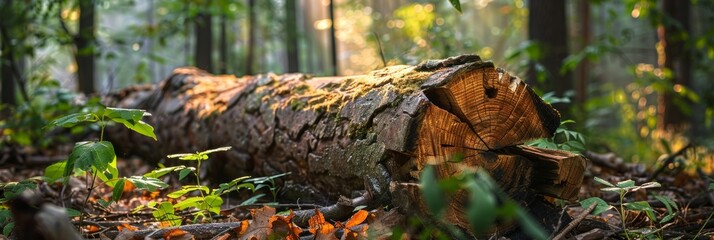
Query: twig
(668,161)
(200,231)
(340,210)
(575,222)
(285,205)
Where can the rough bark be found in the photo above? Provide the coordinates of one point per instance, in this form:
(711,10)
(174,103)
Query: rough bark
(374,131)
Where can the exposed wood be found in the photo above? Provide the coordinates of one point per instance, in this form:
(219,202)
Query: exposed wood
(374,132)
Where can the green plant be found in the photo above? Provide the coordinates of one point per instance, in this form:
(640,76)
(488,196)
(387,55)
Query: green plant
(563,138)
(25,125)
(11,190)
(489,203)
(623,188)
(210,201)
(98,157)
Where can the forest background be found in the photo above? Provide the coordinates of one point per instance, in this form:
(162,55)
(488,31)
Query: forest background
(634,75)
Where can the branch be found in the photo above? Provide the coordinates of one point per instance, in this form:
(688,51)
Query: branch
(575,222)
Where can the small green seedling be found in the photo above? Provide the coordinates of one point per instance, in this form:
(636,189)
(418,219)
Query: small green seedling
(622,188)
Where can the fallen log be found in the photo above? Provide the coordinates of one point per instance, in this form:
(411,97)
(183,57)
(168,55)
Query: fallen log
(340,134)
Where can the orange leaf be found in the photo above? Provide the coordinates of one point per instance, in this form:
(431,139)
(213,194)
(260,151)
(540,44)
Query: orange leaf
(357,218)
(126,226)
(128,186)
(155,194)
(283,226)
(91,229)
(175,233)
(260,227)
(164,224)
(243,228)
(320,228)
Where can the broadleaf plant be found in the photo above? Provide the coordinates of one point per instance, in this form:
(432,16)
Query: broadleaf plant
(98,157)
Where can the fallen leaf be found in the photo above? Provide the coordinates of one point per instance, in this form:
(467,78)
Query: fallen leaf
(177,234)
(128,186)
(283,227)
(126,226)
(243,228)
(260,227)
(381,223)
(321,229)
(357,218)
(91,229)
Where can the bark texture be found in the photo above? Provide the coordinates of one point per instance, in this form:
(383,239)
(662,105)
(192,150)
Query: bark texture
(340,134)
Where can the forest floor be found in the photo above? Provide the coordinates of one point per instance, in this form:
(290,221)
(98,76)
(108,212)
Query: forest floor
(679,206)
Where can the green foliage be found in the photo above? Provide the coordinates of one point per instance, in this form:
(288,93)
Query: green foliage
(487,203)
(456,4)
(11,190)
(98,157)
(628,186)
(563,139)
(164,212)
(209,200)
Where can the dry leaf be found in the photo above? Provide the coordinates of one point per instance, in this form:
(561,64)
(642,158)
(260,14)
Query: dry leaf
(126,226)
(381,223)
(243,228)
(322,229)
(260,227)
(177,234)
(356,218)
(284,227)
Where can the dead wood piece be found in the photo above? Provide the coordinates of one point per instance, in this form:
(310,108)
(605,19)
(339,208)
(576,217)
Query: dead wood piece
(342,134)
(575,222)
(341,210)
(199,231)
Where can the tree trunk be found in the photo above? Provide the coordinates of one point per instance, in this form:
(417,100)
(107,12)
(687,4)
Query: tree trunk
(291,40)
(375,132)
(333,41)
(546,26)
(8,82)
(204,40)
(223,46)
(85,43)
(677,58)
(250,58)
